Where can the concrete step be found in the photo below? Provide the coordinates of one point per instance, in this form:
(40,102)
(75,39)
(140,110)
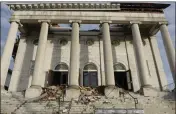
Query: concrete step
(119,111)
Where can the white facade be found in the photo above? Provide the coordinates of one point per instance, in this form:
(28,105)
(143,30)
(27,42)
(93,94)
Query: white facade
(56,53)
(133,45)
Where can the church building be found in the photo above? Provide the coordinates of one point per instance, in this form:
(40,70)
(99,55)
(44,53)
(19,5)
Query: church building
(122,53)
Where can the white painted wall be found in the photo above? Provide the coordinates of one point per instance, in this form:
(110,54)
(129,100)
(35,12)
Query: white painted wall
(55,54)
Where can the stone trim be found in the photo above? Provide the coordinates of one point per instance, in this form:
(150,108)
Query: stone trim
(135,22)
(75,21)
(163,23)
(15,20)
(65,6)
(102,22)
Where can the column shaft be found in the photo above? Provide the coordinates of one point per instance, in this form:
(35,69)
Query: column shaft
(169,48)
(39,60)
(108,61)
(14,83)
(7,53)
(74,56)
(139,52)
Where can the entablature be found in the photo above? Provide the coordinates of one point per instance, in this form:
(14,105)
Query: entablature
(64,6)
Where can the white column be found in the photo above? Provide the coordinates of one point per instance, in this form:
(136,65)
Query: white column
(15,78)
(74,55)
(139,52)
(35,89)
(40,53)
(158,63)
(108,60)
(8,48)
(169,48)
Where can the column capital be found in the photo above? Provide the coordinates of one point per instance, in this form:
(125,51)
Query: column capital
(135,22)
(105,21)
(163,23)
(101,22)
(47,21)
(75,21)
(15,20)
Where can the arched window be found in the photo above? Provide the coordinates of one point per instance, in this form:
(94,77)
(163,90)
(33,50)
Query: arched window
(90,67)
(90,77)
(122,77)
(59,75)
(61,67)
(119,67)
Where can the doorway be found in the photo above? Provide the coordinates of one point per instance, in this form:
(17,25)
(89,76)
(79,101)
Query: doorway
(122,77)
(90,76)
(59,78)
(60,75)
(121,80)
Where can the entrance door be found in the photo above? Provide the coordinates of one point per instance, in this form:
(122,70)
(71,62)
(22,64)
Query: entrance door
(90,75)
(60,78)
(123,79)
(60,75)
(90,79)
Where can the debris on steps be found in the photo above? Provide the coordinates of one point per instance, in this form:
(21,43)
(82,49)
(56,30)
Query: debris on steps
(48,94)
(87,95)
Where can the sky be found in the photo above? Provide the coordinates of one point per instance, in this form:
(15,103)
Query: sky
(169,14)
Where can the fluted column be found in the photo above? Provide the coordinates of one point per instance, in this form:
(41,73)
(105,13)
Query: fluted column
(35,89)
(15,78)
(108,60)
(139,52)
(74,55)
(168,47)
(8,48)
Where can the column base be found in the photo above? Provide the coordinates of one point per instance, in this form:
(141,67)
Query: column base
(72,92)
(33,92)
(149,91)
(111,92)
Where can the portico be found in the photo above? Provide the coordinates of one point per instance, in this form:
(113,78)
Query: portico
(132,24)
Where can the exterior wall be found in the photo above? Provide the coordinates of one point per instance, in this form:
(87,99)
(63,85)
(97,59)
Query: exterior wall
(132,63)
(123,53)
(24,73)
(153,79)
(119,52)
(158,63)
(89,54)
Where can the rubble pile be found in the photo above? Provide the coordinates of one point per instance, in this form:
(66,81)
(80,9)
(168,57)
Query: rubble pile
(53,92)
(88,95)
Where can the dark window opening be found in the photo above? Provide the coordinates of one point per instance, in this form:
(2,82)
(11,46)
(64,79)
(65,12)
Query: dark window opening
(59,78)
(90,79)
(123,80)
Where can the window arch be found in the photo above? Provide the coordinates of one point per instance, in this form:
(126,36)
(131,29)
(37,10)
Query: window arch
(90,67)
(119,67)
(90,75)
(61,67)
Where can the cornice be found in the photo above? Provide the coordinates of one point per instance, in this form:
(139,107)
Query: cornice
(63,6)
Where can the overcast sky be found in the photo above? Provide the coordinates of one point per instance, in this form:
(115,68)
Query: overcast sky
(169,13)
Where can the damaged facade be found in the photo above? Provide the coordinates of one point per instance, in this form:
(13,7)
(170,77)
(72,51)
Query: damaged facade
(122,54)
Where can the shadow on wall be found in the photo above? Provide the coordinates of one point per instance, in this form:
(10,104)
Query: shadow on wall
(26,64)
(56,58)
(84,57)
